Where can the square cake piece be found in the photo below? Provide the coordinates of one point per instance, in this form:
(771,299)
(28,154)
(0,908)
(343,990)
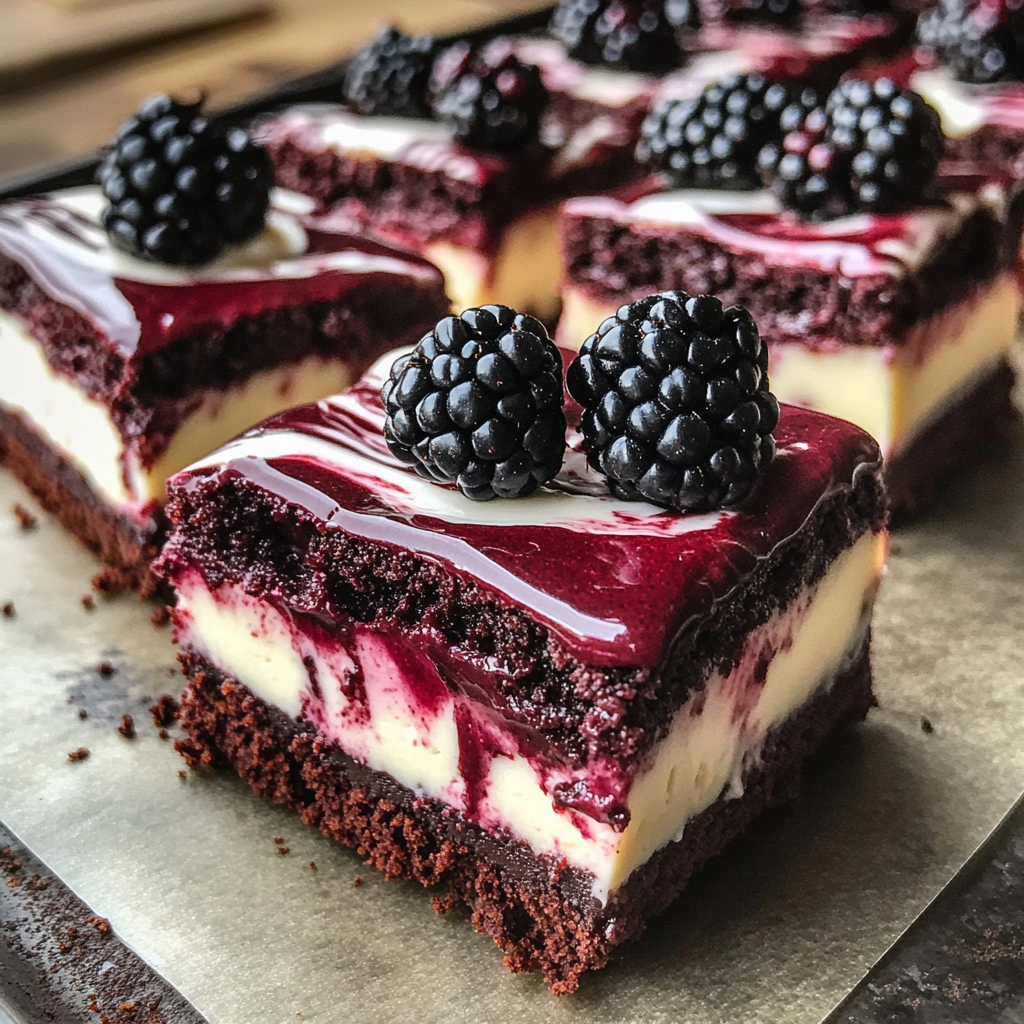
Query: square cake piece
(552,709)
(487,214)
(119,372)
(901,323)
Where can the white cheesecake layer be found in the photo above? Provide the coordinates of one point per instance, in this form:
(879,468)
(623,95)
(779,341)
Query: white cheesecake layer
(381,699)
(893,391)
(524,273)
(82,430)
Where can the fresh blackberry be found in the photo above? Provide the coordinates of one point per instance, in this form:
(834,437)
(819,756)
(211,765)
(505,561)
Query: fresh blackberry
(478,403)
(181,187)
(489,98)
(978,41)
(713,141)
(874,148)
(391,75)
(633,34)
(677,409)
(784,13)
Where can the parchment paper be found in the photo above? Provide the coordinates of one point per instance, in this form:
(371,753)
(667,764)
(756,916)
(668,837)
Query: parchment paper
(776,930)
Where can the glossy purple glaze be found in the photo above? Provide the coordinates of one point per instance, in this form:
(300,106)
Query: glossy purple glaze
(617,583)
(61,249)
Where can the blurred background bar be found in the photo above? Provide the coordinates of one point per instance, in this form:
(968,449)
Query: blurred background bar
(72,70)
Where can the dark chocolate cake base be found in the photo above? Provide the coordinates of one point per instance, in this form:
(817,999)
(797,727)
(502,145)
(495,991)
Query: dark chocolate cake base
(126,549)
(966,432)
(539,913)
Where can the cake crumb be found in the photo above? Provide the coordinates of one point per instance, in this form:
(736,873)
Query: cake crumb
(165,711)
(108,581)
(926,725)
(160,615)
(79,755)
(278,840)
(26,520)
(88,603)
(8,609)
(163,734)
(283,850)
(105,669)
(82,713)
(101,924)
(127,727)
(312,864)
(357,881)
(183,776)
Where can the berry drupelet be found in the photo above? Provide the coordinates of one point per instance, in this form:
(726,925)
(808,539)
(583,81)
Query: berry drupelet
(488,97)
(636,35)
(479,403)
(676,404)
(874,148)
(713,141)
(391,75)
(181,188)
(980,41)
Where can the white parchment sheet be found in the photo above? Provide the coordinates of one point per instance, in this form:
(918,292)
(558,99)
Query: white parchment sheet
(775,931)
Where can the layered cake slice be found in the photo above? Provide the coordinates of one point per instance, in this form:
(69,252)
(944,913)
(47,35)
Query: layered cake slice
(470,171)
(897,313)
(121,368)
(552,709)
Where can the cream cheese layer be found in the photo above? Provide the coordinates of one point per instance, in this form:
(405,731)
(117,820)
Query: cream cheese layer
(892,391)
(382,700)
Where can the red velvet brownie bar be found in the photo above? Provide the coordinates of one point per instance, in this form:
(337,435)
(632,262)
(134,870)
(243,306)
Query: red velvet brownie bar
(119,372)
(551,709)
(486,213)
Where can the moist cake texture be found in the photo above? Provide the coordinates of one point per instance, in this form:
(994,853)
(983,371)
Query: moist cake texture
(552,709)
(120,372)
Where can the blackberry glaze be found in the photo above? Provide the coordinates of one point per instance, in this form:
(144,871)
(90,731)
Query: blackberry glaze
(478,403)
(181,187)
(676,404)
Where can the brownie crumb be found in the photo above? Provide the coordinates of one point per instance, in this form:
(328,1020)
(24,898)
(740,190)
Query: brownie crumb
(82,713)
(88,603)
(160,615)
(278,840)
(283,850)
(105,669)
(183,776)
(926,725)
(26,520)
(312,864)
(164,734)
(79,755)
(127,727)
(101,924)
(357,881)
(8,609)
(165,711)
(109,581)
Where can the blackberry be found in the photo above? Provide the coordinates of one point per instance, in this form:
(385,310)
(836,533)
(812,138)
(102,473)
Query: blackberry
(478,403)
(391,75)
(489,98)
(637,35)
(979,42)
(677,409)
(181,187)
(784,13)
(713,141)
(874,148)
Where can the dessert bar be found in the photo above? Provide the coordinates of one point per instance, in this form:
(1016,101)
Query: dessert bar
(552,709)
